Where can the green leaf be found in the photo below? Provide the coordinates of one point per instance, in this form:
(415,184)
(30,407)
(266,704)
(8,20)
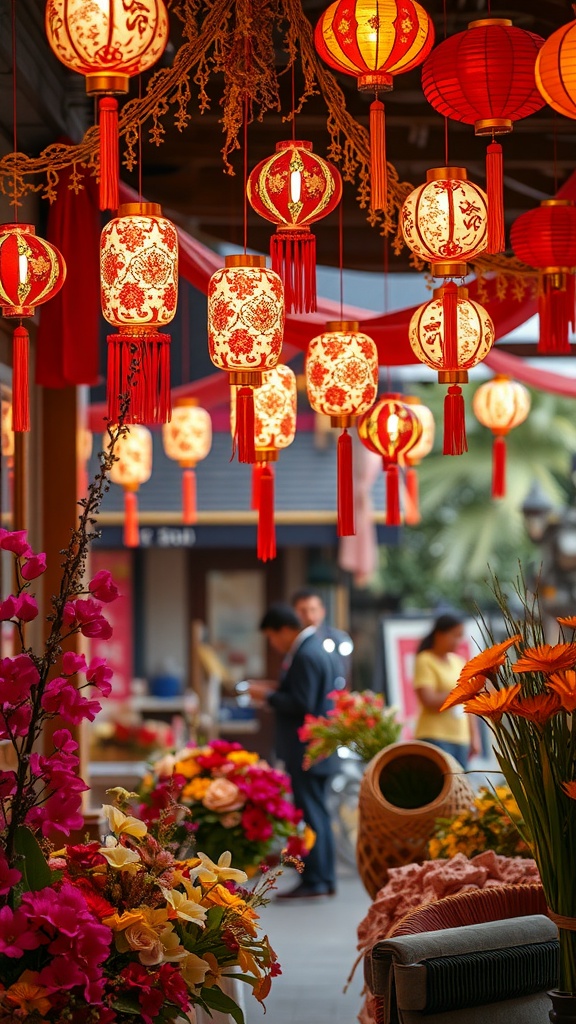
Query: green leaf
(216,999)
(32,863)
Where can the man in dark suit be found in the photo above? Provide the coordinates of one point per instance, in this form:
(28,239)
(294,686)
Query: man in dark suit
(306,678)
(311,610)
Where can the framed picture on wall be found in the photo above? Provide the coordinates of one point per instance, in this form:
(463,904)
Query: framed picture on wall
(236,602)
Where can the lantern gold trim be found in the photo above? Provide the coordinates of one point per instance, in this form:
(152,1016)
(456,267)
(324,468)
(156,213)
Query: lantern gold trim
(446,174)
(488,22)
(245,378)
(244,260)
(115,84)
(493,126)
(448,269)
(343,325)
(452,376)
(266,455)
(378,81)
(136,209)
(342,422)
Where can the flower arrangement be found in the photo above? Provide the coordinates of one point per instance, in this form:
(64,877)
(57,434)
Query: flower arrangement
(525,688)
(234,799)
(493,822)
(359,721)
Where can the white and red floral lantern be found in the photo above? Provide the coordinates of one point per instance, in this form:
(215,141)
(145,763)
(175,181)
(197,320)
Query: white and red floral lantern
(245,333)
(414,457)
(500,404)
(188,439)
(133,467)
(139,293)
(342,383)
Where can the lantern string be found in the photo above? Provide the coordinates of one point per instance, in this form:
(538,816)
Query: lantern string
(245,172)
(293,101)
(341,255)
(386,269)
(14,106)
(555,145)
(445,21)
(140,144)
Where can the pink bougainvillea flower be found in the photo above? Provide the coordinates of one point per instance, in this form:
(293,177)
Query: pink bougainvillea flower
(8,876)
(34,566)
(102,587)
(7,786)
(8,608)
(60,814)
(26,608)
(15,721)
(493,705)
(546,658)
(86,610)
(63,741)
(62,698)
(538,709)
(16,935)
(16,542)
(98,628)
(68,614)
(17,677)
(99,674)
(72,663)
(570,789)
(489,661)
(564,685)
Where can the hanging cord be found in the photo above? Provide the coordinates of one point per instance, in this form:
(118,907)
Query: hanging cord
(341,255)
(245,173)
(14,107)
(140,172)
(555,151)
(293,102)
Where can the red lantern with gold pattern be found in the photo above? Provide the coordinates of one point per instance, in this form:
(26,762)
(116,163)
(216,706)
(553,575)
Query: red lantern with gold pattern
(414,457)
(375,40)
(293,189)
(500,404)
(393,428)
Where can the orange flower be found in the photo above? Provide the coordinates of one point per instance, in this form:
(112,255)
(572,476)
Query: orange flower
(569,621)
(564,684)
(463,691)
(538,709)
(27,995)
(493,705)
(487,661)
(570,789)
(546,658)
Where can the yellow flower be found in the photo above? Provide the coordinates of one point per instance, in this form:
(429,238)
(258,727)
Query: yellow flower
(118,922)
(186,905)
(243,757)
(434,848)
(121,858)
(194,970)
(308,838)
(28,996)
(222,897)
(188,768)
(124,823)
(196,789)
(210,872)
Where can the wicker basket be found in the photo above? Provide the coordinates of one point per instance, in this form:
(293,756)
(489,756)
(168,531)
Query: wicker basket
(390,831)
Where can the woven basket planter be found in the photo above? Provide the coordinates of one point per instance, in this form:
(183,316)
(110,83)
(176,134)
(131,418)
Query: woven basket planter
(404,789)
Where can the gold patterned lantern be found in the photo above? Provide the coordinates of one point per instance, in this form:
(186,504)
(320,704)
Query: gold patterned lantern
(392,429)
(139,292)
(414,457)
(245,333)
(342,383)
(133,467)
(500,404)
(188,439)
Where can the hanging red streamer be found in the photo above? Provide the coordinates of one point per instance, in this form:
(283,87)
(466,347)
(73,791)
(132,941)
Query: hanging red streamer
(189,511)
(455,441)
(109,155)
(139,365)
(346,527)
(499,468)
(245,425)
(378,165)
(556,310)
(496,237)
(131,530)
(20,382)
(255,494)
(293,256)
(393,495)
(412,514)
(266,544)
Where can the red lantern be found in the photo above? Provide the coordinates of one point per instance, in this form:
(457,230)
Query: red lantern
(293,189)
(545,238)
(500,404)
(108,42)
(374,40)
(132,467)
(392,429)
(32,271)
(187,439)
(485,77)
(414,457)
(556,70)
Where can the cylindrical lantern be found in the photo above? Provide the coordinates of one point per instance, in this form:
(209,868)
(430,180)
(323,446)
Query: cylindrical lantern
(545,238)
(245,332)
(393,429)
(375,40)
(556,70)
(500,404)
(108,42)
(293,189)
(342,382)
(133,466)
(32,271)
(139,292)
(444,221)
(452,352)
(485,77)
(414,457)
(188,439)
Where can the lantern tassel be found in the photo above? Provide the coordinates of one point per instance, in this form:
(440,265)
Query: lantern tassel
(245,425)
(378,164)
(20,385)
(255,496)
(495,188)
(266,545)
(131,530)
(189,512)
(145,360)
(450,321)
(293,255)
(393,495)
(412,514)
(109,155)
(555,306)
(346,526)
(499,467)
(455,442)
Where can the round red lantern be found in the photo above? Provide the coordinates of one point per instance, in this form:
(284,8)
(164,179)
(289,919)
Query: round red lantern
(342,382)
(556,70)
(444,221)
(187,439)
(414,457)
(245,332)
(108,42)
(293,189)
(500,404)
(32,271)
(139,292)
(375,40)
(485,77)
(133,466)
(545,238)
(392,429)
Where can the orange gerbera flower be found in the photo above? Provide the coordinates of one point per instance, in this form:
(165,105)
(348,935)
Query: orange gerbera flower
(487,661)
(463,691)
(546,658)
(569,621)
(570,789)
(564,684)
(538,709)
(27,995)
(493,705)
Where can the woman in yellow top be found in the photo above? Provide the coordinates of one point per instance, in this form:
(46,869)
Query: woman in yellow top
(436,671)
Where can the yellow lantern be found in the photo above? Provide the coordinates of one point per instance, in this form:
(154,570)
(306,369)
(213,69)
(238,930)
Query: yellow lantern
(414,457)
(188,439)
(500,404)
(556,72)
(132,468)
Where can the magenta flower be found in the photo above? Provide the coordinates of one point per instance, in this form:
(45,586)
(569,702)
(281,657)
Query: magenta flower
(17,677)
(68,614)
(60,814)
(102,586)
(8,608)
(98,628)
(8,876)
(15,721)
(16,935)
(61,697)
(99,674)
(61,973)
(63,741)
(87,610)
(72,663)
(34,566)
(16,541)
(26,608)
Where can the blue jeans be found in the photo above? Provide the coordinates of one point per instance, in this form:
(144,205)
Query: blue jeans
(311,795)
(457,750)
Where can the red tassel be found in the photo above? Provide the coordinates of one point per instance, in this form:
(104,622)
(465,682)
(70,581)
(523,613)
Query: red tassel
(499,468)
(149,356)
(450,323)
(346,526)
(20,387)
(266,547)
(393,495)
(131,531)
(256,474)
(245,425)
(378,165)
(412,514)
(455,441)
(293,255)
(109,155)
(555,306)
(495,189)
(189,513)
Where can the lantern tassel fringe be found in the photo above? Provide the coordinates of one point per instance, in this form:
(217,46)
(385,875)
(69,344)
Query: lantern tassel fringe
(189,511)
(496,235)
(109,153)
(499,467)
(266,544)
(140,366)
(393,495)
(255,494)
(131,530)
(20,383)
(293,256)
(245,425)
(378,164)
(412,514)
(450,321)
(346,527)
(455,441)
(556,310)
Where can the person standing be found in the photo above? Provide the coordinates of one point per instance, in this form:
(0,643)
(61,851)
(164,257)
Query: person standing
(306,678)
(311,610)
